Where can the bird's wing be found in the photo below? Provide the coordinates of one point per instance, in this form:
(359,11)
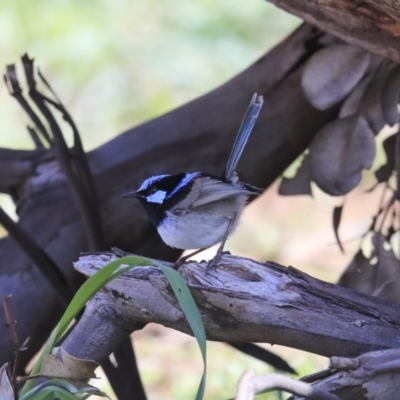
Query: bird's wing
(206,190)
(211,190)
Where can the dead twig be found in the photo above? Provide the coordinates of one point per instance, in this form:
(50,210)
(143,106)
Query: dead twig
(17,347)
(251,384)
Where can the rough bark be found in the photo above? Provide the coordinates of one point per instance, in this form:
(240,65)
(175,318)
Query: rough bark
(371,376)
(247,300)
(197,136)
(241,301)
(373,25)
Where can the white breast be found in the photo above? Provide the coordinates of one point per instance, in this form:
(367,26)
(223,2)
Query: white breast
(203,227)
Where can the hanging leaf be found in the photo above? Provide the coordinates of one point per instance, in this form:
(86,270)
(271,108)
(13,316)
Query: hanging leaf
(300,183)
(358,275)
(381,279)
(337,215)
(332,73)
(339,153)
(390,97)
(351,105)
(60,364)
(387,282)
(371,106)
(383,173)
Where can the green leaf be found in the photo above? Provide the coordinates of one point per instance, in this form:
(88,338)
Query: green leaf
(90,390)
(96,282)
(43,388)
(51,393)
(62,389)
(193,317)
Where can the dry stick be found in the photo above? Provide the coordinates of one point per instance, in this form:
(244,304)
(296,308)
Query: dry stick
(24,239)
(85,198)
(386,211)
(11,81)
(17,348)
(45,264)
(317,376)
(35,137)
(372,226)
(369,364)
(251,384)
(23,379)
(378,250)
(63,156)
(82,163)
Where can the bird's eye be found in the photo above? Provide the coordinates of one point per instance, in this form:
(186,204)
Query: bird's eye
(152,190)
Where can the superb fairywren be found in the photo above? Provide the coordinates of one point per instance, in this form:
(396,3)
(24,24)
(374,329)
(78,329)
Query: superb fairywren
(196,210)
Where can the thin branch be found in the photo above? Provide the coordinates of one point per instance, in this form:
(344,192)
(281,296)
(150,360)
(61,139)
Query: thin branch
(13,331)
(317,376)
(369,364)
(263,355)
(11,81)
(10,321)
(35,137)
(251,384)
(84,170)
(87,213)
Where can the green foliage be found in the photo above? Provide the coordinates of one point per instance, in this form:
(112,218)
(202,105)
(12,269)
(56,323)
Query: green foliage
(193,317)
(95,283)
(62,390)
(82,296)
(119,63)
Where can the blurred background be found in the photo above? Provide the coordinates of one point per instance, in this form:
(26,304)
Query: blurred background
(116,64)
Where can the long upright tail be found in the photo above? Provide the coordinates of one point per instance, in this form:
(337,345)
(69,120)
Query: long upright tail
(243,135)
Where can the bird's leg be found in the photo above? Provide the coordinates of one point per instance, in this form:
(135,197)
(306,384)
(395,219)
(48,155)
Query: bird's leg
(217,258)
(214,262)
(183,259)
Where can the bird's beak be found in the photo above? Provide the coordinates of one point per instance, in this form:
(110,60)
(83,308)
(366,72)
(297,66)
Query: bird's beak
(131,194)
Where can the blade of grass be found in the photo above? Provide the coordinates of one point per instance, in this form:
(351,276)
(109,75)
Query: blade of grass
(96,282)
(61,387)
(109,272)
(193,317)
(51,394)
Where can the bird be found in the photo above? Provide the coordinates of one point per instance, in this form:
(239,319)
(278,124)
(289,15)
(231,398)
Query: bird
(196,210)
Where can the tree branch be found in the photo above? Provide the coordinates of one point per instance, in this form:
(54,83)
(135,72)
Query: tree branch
(373,25)
(251,384)
(370,376)
(242,301)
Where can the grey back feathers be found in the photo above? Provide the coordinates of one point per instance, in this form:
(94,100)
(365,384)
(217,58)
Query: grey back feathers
(206,190)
